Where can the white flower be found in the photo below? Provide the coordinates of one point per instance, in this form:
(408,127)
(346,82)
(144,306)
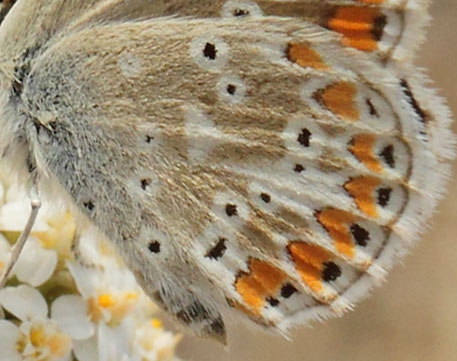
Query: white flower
(98,311)
(35,264)
(37,338)
(152,343)
(110,293)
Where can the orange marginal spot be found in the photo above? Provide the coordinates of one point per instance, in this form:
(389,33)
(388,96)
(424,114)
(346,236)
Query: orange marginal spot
(309,260)
(337,223)
(362,190)
(263,281)
(362,146)
(340,99)
(304,56)
(360,26)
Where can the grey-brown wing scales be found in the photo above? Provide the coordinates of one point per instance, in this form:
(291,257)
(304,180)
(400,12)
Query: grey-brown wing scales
(251,165)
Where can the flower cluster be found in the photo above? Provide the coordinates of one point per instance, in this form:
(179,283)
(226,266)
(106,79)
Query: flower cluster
(59,306)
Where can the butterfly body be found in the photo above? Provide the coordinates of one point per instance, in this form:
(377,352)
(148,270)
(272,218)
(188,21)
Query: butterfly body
(265,159)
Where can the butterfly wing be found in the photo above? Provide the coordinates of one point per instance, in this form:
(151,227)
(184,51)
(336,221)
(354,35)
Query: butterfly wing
(384,29)
(254,166)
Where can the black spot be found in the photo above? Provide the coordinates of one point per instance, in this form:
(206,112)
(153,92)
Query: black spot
(331,272)
(210,51)
(231,210)
(231,89)
(287,290)
(299,168)
(413,102)
(154,246)
(218,250)
(89,205)
(240,12)
(360,234)
(373,111)
(384,196)
(378,27)
(265,197)
(272,301)
(304,137)
(388,155)
(149,139)
(145,183)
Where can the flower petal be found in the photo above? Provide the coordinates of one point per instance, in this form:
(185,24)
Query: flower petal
(14,215)
(71,314)
(36,264)
(113,343)
(9,336)
(24,302)
(86,350)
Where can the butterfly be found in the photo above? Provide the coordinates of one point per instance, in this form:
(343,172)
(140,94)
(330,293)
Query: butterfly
(266,160)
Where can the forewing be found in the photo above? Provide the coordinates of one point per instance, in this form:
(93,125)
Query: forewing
(252,164)
(385,29)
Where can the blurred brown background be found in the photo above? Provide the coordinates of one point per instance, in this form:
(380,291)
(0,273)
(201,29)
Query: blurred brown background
(411,318)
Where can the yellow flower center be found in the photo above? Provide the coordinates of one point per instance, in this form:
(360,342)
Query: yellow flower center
(118,306)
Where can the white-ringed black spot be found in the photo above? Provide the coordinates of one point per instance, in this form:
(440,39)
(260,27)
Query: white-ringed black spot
(299,168)
(331,272)
(360,234)
(210,51)
(287,290)
(384,196)
(304,137)
(145,183)
(240,12)
(89,205)
(149,139)
(154,246)
(218,250)
(265,197)
(231,89)
(231,209)
(272,301)
(388,155)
